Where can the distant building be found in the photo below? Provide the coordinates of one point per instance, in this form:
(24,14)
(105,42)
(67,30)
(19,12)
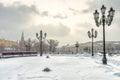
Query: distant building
(111,47)
(22,43)
(8,45)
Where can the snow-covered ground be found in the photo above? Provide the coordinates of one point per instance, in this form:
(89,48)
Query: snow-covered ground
(63,67)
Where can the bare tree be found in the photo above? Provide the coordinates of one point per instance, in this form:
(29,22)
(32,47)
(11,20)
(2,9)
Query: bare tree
(52,45)
(36,45)
(28,44)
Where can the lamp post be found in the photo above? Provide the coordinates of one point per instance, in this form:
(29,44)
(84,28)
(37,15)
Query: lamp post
(77,45)
(92,34)
(104,21)
(40,38)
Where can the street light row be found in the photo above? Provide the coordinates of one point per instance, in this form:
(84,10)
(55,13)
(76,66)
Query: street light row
(93,33)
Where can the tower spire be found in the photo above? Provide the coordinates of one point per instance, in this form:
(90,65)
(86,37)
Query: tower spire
(22,43)
(22,37)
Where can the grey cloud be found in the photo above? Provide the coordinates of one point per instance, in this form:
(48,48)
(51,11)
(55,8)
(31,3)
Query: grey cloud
(13,18)
(44,14)
(57,16)
(84,25)
(74,11)
(92,6)
(60,16)
(59,30)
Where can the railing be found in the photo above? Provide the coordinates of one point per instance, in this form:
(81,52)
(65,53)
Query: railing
(18,53)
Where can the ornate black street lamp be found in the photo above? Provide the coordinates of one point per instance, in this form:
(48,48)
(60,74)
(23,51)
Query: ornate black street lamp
(104,20)
(77,45)
(92,34)
(40,38)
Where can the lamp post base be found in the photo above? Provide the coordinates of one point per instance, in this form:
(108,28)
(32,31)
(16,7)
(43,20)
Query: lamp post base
(104,61)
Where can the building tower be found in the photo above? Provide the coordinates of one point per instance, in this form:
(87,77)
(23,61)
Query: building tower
(22,43)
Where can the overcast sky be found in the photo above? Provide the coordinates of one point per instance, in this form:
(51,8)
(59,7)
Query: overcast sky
(67,21)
